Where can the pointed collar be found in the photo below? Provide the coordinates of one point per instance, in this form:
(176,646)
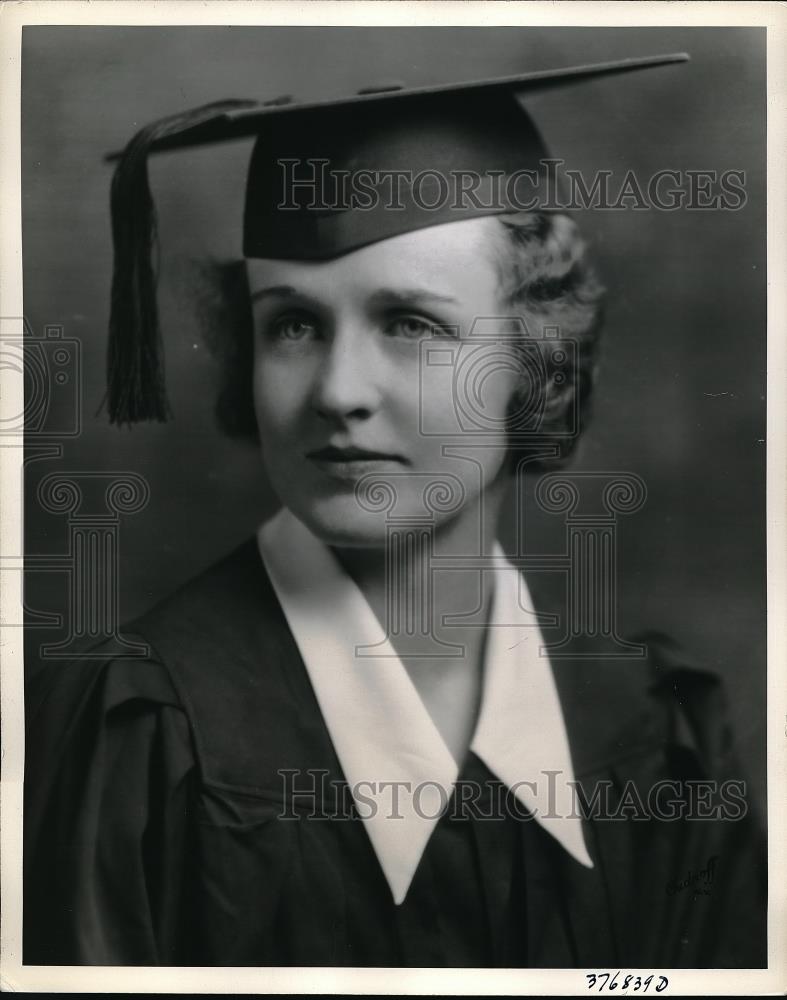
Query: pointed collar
(397,765)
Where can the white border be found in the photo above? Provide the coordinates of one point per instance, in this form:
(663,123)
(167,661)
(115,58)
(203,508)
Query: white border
(13,15)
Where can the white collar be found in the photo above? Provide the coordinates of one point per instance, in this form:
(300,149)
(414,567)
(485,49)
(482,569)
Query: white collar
(380,728)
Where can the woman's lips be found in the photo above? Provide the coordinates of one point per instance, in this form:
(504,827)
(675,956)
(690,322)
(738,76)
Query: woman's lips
(351,464)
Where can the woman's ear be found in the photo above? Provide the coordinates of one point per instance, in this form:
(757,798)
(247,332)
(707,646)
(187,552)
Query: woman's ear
(559,400)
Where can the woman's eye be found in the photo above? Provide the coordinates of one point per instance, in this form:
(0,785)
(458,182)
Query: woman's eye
(415,327)
(293,328)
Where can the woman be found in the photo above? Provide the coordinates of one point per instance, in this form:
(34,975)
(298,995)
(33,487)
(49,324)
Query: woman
(347,745)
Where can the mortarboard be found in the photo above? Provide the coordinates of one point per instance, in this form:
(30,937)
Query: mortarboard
(326,178)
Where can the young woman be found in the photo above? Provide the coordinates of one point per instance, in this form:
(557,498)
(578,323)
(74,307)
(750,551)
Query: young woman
(348,744)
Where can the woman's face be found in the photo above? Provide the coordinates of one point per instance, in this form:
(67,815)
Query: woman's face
(377,392)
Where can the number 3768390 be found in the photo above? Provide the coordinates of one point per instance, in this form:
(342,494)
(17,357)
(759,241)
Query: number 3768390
(602,981)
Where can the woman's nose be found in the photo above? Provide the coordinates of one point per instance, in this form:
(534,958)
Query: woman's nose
(346,384)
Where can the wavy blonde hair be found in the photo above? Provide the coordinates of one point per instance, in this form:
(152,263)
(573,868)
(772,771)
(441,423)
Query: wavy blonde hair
(546,277)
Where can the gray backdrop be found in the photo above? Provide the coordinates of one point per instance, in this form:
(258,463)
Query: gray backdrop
(681,397)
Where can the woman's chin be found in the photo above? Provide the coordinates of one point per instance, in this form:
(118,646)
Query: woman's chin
(341,523)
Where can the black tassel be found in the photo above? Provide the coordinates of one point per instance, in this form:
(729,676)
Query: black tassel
(136,388)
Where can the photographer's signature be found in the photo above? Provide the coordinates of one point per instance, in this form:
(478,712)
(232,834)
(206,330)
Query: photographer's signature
(701,881)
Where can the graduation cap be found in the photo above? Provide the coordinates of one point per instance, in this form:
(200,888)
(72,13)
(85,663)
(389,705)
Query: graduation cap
(326,178)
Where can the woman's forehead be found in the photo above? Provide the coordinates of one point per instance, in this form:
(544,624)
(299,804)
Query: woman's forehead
(440,259)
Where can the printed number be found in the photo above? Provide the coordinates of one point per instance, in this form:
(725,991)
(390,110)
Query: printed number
(608,981)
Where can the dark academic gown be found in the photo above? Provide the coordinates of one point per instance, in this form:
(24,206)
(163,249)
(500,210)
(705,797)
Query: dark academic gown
(159,829)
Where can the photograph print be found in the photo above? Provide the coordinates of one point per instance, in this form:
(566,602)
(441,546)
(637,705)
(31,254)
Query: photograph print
(394,526)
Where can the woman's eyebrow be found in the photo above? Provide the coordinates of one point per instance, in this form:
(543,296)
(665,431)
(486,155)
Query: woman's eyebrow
(403,296)
(383,296)
(274,291)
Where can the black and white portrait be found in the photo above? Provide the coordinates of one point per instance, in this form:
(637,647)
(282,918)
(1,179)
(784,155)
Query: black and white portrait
(394,497)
